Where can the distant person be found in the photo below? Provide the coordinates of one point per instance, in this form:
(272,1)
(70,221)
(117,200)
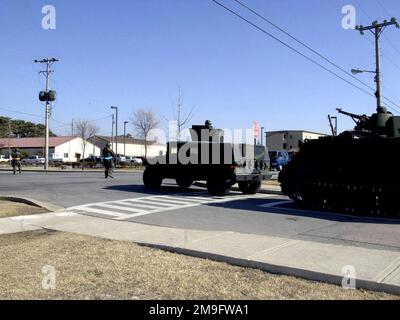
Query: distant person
(16,160)
(108,157)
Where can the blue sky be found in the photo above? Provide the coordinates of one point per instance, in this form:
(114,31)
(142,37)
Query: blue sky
(136,53)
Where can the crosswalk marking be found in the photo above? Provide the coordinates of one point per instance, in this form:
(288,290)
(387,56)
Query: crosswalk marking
(136,207)
(118,207)
(172,201)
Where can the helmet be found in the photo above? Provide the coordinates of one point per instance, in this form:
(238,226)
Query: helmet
(15,149)
(108,144)
(208,123)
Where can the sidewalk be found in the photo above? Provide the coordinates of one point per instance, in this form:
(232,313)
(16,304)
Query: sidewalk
(375,268)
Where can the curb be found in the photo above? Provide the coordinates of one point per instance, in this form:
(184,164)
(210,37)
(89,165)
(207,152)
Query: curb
(265,191)
(281,270)
(45,205)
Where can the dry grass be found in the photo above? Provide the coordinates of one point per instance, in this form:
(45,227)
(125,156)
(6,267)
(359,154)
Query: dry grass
(11,209)
(92,268)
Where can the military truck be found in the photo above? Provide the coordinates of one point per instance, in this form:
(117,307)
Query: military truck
(208,158)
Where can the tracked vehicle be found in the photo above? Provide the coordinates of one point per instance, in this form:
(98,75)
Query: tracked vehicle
(208,158)
(356,172)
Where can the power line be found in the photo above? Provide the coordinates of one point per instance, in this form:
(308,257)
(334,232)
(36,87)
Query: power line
(303,44)
(314,51)
(384,9)
(300,53)
(24,113)
(290,47)
(388,13)
(386,38)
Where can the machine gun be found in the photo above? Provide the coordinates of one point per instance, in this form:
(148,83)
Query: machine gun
(362,121)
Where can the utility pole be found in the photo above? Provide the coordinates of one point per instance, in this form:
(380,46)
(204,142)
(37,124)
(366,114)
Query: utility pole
(116,128)
(333,128)
(125,123)
(262,136)
(112,132)
(47,96)
(9,138)
(376,29)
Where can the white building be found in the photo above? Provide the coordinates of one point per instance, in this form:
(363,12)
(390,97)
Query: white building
(289,139)
(69,149)
(131,147)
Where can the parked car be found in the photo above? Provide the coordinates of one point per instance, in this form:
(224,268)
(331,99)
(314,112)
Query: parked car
(279,159)
(120,158)
(33,160)
(56,158)
(3,158)
(92,161)
(134,160)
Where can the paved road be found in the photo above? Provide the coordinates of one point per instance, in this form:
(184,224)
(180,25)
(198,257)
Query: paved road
(74,188)
(262,214)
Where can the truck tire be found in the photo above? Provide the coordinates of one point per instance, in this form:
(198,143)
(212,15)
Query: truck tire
(217,186)
(152,178)
(249,187)
(184,182)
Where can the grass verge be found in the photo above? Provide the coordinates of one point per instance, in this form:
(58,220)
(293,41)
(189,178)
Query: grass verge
(12,209)
(93,268)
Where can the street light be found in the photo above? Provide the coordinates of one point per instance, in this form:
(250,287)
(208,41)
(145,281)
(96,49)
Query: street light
(116,128)
(125,137)
(357,71)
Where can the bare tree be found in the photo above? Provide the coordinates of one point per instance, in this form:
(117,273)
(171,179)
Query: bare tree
(85,129)
(181,118)
(143,121)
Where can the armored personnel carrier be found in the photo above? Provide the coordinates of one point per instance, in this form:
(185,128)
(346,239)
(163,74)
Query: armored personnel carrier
(208,158)
(356,172)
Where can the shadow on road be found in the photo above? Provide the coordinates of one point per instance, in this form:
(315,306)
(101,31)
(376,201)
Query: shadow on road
(291,209)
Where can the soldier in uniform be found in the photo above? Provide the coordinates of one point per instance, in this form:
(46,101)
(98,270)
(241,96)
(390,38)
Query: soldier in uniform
(16,160)
(108,157)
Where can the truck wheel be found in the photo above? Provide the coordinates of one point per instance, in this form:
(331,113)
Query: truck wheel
(249,187)
(184,182)
(217,186)
(151,178)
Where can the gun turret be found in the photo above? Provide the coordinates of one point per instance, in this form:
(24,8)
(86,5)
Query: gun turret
(354,116)
(362,121)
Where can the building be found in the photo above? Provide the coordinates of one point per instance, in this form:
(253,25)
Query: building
(69,149)
(289,139)
(132,147)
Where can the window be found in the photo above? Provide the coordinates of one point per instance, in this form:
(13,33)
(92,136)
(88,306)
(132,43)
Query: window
(65,155)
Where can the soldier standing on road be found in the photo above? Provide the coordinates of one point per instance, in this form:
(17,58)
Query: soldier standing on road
(16,160)
(108,157)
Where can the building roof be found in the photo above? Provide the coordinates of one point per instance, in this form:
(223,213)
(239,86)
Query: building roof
(304,131)
(120,140)
(33,142)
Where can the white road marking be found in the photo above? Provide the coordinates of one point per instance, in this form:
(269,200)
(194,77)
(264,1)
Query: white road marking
(153,204)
